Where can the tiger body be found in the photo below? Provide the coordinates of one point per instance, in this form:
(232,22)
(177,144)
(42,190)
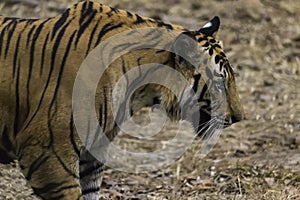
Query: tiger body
(39,61)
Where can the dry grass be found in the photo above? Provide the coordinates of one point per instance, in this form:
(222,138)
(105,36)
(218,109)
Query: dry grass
(258,158)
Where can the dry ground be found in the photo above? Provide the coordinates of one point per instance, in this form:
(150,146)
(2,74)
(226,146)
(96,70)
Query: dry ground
(258,158)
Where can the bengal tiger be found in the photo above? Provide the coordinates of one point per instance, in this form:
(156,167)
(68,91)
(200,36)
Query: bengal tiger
(39,61)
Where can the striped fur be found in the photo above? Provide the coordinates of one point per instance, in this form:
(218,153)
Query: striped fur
(39,61)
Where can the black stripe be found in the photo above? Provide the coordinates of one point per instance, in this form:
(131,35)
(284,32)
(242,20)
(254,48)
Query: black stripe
(211,51)
(9,36)
(17,50)
(222,54)
(217,46)
(56,45)
(106,28)
(16,55)
(24,20)
(29,35)
(139,19)
(154,30)
(148,46)
(1,40)
(90,190)
(112,11)
(212,40)
(7,26)
(44,54)
(162,24)
(105,102)
(206,44)
(98,168)
(221,65)
(8,19)
(85,12)
(36,164)
(217,59)
(129,14)
(101,8)
(30,21)
(158,38)
(65,167)
(2,34)
(99,133)
(45,189)
(83,27)
(54,188)
(83,8)
(121,47)
(115,10)
(160,51)
(125,71)
(203,91)
(100,116)
(17,105)
(66,188)
(92,36)
(202,39)
(196,83)
(72,137)
(76,5)
(60,22)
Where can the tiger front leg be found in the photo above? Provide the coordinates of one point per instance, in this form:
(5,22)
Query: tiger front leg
(91,171)
(49,161)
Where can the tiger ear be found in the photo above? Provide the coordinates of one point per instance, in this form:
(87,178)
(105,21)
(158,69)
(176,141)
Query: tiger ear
(211,28)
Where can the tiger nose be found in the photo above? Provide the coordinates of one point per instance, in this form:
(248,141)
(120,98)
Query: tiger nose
(237,118)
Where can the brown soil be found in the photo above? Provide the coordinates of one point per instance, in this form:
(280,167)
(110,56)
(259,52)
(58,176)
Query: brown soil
(258,158)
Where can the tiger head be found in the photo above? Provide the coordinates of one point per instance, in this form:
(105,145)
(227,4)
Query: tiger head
(211,101)
(207,97)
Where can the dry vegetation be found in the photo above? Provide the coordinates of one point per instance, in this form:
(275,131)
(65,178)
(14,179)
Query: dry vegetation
(258,158)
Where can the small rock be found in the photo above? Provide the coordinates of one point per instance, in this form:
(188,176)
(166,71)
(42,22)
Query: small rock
(270,181)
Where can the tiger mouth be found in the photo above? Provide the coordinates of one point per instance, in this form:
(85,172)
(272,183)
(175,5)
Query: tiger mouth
(223,123)
(213,123)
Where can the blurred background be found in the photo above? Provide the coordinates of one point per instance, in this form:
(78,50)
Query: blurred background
(258,158)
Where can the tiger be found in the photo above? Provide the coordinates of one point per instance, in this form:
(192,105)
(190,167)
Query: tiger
(39,62)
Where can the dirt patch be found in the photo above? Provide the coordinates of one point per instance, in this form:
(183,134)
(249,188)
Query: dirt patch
(258,158)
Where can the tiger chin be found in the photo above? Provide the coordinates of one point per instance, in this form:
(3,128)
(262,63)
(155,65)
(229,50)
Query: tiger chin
(39,62)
